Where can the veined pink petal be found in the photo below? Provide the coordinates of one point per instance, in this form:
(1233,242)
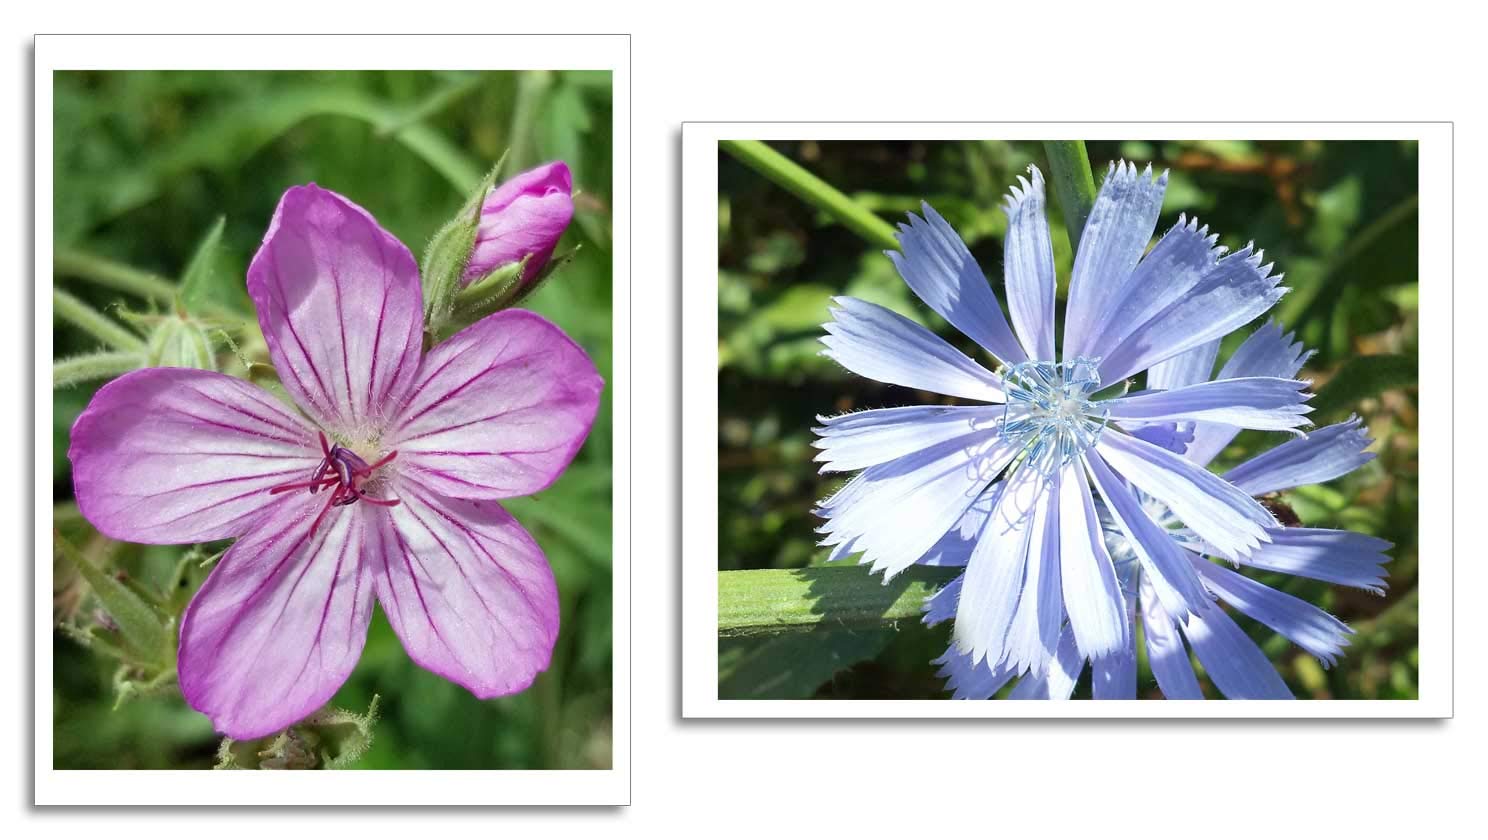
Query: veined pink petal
(282,619)
(175,455)
(340,305)
(466,589)
(499,410)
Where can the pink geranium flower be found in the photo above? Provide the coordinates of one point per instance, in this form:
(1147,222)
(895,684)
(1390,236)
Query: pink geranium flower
(385,485)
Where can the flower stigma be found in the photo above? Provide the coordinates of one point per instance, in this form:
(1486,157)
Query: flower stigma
(1049,415)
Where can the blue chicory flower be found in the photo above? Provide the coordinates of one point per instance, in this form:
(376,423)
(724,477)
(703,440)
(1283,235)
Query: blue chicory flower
(1069,499)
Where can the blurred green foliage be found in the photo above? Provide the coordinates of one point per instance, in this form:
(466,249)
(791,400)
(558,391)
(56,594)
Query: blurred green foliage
(176,174)
(1338,218)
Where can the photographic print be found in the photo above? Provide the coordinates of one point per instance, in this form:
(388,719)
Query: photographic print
(332,440)
(1126,419)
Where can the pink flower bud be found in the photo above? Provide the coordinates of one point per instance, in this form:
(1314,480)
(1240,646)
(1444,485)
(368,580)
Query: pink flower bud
(522,217)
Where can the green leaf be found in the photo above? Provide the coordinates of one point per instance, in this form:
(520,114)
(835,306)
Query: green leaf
(792,666)
(1360,378)
(204,283)
(772,601)
(143,630)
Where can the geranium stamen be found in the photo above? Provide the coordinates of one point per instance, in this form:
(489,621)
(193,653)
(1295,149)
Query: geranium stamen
(346,472)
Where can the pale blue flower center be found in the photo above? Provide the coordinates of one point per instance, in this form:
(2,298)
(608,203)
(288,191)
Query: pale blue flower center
(1049,414)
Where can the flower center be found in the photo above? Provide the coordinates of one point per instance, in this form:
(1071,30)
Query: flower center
(345,473)
(1049,413)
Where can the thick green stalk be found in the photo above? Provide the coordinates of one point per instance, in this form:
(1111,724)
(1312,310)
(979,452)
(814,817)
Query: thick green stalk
(813,190)
(94,323)
(766,602)
(113,275)
(1074,185)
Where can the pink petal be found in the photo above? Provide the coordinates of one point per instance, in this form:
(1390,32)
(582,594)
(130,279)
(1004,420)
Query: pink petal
(340,305)
(498,410)
(282,619)
(175,455)
(467,590)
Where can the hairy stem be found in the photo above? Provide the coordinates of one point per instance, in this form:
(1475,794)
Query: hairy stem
(114,275)
(93,366)
(94,323)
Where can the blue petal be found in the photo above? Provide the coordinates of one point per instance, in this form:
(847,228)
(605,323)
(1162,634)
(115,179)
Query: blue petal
(1306,626)
(1236,291)
(1341,557)
(1163,561)
(1222,514)
(1236,665)
(1174,437)
(893,513)
(1092,597)
(1058,681)
(1266,352)
(942,605)
(1256,402)
(877,436)
(1120,226)
(1166,652)
(1187,368)
(1028,267)
(1174,266)
(1321,456)
(1033,635)
(938,267)
(968,680)
(875,342)
(991,587)
(954,549)
(1114,677)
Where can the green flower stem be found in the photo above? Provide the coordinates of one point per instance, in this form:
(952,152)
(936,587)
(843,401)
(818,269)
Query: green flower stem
(766,602)
(113,275)
(94,323)
(1074,185)
(93,366)
(812,190)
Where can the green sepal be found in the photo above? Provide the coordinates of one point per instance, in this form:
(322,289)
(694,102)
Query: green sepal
(501,289)
(330,739)
(448,255)
(180,341)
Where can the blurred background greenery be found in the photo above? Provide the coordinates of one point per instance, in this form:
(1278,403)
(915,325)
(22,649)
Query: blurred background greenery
(1338,218)
(145,163)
